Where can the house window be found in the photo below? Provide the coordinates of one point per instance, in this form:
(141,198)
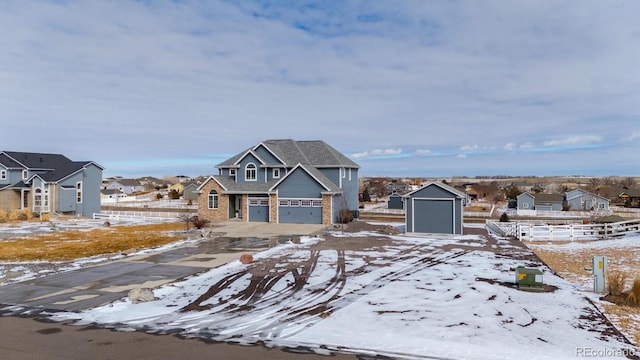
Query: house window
(232,173)
(250,173)
(305,203)
(276,173)
(294,203)
(25,174)
(316,203)
(283,202)
(79,192)
(213,199)
(525,205)
(3,174)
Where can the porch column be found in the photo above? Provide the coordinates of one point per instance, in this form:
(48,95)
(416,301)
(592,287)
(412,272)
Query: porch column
(273,208)
(327,209)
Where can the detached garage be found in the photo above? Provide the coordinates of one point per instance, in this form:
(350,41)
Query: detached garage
(435,208)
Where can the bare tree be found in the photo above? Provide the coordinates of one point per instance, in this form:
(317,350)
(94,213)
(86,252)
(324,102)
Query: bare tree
(594,184)
(628,182)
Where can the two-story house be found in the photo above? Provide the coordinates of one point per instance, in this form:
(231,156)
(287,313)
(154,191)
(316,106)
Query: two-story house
(49,183)
(282,181)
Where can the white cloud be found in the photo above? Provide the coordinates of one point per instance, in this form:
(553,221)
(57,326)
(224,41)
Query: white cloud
(377,153)
(469,147)
(576,140)
(484,73)
(461,156)
(632,137)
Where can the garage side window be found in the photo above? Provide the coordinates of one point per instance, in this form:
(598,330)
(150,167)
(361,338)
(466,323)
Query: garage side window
(213,199)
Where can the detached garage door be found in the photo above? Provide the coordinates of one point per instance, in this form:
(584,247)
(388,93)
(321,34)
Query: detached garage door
(259,209)
(300,211)
(433,216)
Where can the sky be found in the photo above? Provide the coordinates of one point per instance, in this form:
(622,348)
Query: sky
(404,88)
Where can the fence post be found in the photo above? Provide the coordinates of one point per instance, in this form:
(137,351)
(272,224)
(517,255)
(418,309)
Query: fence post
(571,232)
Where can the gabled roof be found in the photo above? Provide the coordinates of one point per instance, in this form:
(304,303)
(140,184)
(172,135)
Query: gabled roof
(127,182)
(50,167)
(442,186)
(229,186)
(316,174)
(580,192)
(316,153)
(247,153)
(547,197)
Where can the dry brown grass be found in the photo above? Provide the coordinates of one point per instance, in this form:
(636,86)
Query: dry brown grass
(615,282)
(74,244)
(622,263)
(633,296)
(625,318)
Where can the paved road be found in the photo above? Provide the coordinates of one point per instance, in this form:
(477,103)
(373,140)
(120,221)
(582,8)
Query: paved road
(27,338)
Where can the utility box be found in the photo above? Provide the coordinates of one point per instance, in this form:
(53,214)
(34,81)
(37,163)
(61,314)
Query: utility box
(599,268)
(529,278)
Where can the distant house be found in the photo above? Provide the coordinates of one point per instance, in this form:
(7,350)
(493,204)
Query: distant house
(434,208)
(182,186)
(126,186)
(48,183)
(630,197)
(395,201)
(152,183)
(190,191)
(282,181)
(579,199)
(545,202)
(112,194)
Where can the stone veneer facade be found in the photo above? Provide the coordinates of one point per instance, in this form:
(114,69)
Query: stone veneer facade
(219,214)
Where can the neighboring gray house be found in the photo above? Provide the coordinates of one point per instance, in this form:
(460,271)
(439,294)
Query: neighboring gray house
(579,199)
(190,191)
(545,202)
(434,208)
(49,183)
(395,201)
(126,186)
(282,181)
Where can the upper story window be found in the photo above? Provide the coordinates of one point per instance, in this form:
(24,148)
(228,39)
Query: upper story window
(250,172)
(25,174)
(276,173)
(232,173)
(3,174)
(79,192)
(213,199)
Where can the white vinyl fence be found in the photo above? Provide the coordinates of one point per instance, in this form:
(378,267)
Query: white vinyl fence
(529,231)
(136,215)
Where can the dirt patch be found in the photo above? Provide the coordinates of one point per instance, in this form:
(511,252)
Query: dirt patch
(358,226)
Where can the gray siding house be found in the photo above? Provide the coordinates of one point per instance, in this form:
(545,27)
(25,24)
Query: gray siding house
(126,186)
(281,181)
(49,183)
(579,199)
(434,208)
(544,202)
(395,201)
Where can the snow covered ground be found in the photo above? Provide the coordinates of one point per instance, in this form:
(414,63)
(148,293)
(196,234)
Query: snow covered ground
(403,297)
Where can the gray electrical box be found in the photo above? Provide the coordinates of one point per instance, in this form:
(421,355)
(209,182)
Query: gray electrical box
(529,278)
(599,268)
